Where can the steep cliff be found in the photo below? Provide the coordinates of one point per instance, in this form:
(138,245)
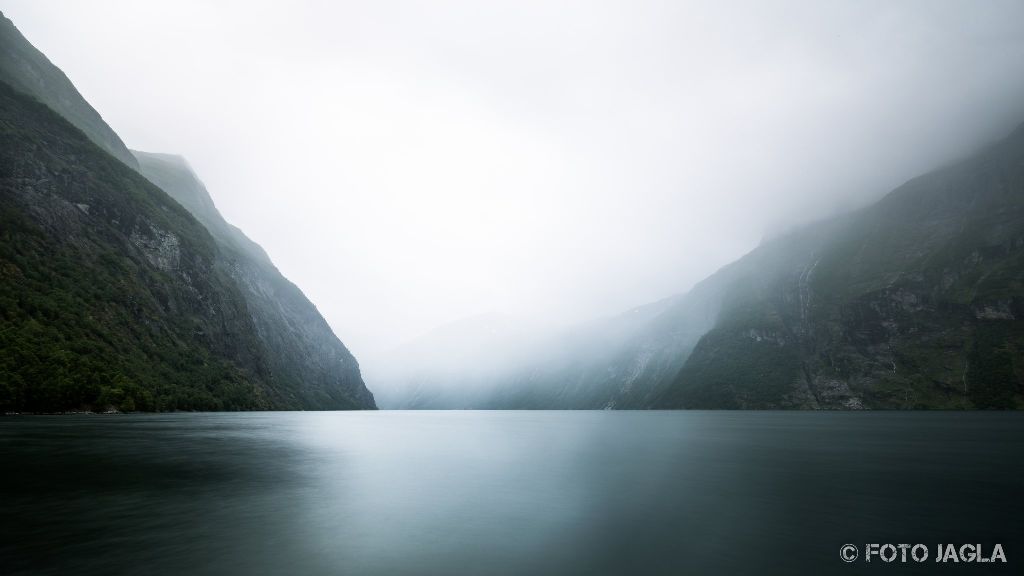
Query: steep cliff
(308,364)
(114,295)
(28,70)
(111,294)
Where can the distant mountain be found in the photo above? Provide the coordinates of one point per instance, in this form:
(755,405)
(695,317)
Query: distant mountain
(620,362)
(112,294)
(492,362)
(914,302)
(456,365)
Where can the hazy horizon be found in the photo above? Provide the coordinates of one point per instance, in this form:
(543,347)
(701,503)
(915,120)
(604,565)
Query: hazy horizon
(408,166)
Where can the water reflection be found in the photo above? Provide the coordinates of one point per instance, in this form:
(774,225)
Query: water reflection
(499,492)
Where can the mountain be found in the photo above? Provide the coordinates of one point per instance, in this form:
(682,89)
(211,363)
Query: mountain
(112,294)
(620,362)
(305,358)
(456,365)
(492,362)
(27,70)
(914,302)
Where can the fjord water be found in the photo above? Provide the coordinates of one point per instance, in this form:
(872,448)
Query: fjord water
(504,492)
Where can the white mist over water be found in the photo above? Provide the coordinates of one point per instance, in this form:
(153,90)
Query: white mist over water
(408,164)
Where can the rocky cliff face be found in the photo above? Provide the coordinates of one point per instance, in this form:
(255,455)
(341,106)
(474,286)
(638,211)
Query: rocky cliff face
(111,294)
(915,302)
(309,366)
(114,295)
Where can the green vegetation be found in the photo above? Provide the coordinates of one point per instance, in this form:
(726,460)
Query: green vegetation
(995,373)
(86,319)
(755,376)
(113,295)
(914,302)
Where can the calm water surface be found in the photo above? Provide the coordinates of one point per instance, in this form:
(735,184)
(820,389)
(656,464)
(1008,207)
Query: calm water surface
(395,493)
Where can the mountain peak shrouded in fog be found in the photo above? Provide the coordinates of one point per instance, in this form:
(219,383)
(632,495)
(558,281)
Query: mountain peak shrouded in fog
(913,302)
(409,165)
(591,256)
(28,70)
(452,363)
(551,161)
(123,288)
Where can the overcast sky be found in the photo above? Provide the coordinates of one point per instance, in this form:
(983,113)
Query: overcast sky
(412,163)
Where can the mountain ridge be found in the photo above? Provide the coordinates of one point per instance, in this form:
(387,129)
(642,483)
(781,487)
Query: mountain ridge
(28,70)
(302,349)
(895,298)
(113,294)
(914,301)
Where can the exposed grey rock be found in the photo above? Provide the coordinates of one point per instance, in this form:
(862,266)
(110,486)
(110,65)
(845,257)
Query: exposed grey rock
(309,365)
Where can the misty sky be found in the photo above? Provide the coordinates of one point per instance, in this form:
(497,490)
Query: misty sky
(411,163)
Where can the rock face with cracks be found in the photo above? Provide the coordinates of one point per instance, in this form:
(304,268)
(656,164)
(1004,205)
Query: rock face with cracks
(310,365)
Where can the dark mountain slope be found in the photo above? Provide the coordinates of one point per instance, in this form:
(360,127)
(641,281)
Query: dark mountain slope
(914,302)
(306,359)
(26,69)
(111,293)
